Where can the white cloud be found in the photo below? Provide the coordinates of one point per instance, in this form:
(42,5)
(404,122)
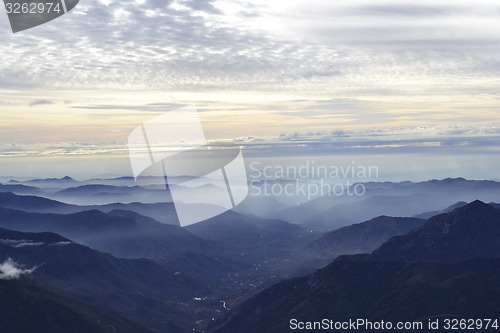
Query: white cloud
(20,243)
(63,149)
(310,142)
(257,45)
(10,270)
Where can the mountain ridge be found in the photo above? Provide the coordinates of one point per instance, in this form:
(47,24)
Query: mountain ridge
(387,286)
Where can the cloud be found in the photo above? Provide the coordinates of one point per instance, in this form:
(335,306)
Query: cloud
(20,243)
(467,139)
(396,139)
(62,149)
(406,10)
(10,270)
(259,46)
(38,102)
(151,107)
(203,5)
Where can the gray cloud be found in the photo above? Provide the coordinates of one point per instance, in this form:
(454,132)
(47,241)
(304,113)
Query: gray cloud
(405,10)
(151,107)
(369,141)
(41,102)
(157,45)
(203,5)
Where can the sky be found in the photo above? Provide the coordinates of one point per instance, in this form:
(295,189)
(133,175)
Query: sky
(393,83)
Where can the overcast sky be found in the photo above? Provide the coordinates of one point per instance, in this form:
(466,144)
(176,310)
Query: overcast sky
(369,74)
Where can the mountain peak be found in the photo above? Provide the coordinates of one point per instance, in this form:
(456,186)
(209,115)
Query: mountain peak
(453,180)
(447,181)
(476,207)
(477,204)
(466,232)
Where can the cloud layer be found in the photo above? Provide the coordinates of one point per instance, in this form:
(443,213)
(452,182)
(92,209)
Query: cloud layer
(397,139)
(258,45)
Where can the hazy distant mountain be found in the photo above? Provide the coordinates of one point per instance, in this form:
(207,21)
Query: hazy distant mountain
(305,211)
(98,188)
(428,215)
(139,290)
(394,199)
(317,206)
(267,250)
(116,181)
(163,212)
(142,212)
(238,232)
(347,214)
(35,204)
(232,243)
(106,194)
(378,287)
(261,206)
(467,232)
(447,184)
(89,192)
(362,237)
(20,189)
(495,205)
(468,190)
(48,183)
(117,233)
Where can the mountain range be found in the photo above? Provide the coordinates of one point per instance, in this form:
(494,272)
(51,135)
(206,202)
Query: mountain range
(447,268)
(465,233)
(122,288)
(362,237)
(407,199)
(404,251)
